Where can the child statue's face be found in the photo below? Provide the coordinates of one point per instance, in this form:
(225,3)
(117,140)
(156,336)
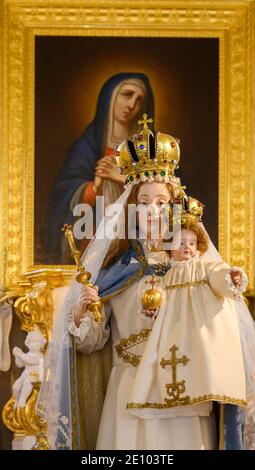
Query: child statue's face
(33,345)
(152,200)
(188,247)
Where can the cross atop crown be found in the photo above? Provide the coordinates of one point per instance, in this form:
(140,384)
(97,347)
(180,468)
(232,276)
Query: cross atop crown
(145,122)
(147,157)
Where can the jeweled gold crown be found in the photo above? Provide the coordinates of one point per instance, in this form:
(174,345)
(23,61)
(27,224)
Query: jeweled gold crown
(148,157)
(192,210)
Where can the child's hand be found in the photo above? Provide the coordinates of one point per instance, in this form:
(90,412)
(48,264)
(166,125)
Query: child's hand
(236,277)
(150,313)
(88,295)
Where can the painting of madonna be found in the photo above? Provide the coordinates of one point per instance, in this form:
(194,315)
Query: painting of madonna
(90,169)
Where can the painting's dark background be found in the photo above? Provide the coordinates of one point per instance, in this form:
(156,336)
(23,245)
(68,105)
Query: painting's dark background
(184,76)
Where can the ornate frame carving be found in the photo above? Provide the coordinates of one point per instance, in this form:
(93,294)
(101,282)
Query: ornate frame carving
(230,21)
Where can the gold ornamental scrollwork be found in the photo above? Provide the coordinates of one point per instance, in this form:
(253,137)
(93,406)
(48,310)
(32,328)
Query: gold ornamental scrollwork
(35,305)
(34,308)
(24,421)
(231,22)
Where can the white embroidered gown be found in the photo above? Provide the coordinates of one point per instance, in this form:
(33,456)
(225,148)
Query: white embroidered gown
(196,319)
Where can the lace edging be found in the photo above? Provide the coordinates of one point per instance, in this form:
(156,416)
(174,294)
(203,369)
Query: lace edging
(78,331)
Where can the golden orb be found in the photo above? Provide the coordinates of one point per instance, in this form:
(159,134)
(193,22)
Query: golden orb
(152,299)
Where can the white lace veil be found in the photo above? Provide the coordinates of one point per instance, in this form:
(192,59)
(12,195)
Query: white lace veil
(57,398)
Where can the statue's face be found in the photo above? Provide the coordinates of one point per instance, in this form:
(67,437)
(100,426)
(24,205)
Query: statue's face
(34,344)
(188,246)
(152,200)
(128,103)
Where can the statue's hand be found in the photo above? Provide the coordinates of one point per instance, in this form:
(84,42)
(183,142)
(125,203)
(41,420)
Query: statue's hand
(17,351)
(87,297)
(152,314)
(236,277)
(18,354)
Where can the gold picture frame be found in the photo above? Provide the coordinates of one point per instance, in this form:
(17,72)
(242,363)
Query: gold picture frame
(232,22)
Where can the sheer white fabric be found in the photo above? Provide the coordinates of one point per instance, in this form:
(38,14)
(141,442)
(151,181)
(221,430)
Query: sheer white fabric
(54,403)
(98,247)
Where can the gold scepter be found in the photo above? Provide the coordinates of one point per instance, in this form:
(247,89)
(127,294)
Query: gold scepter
(84,276)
